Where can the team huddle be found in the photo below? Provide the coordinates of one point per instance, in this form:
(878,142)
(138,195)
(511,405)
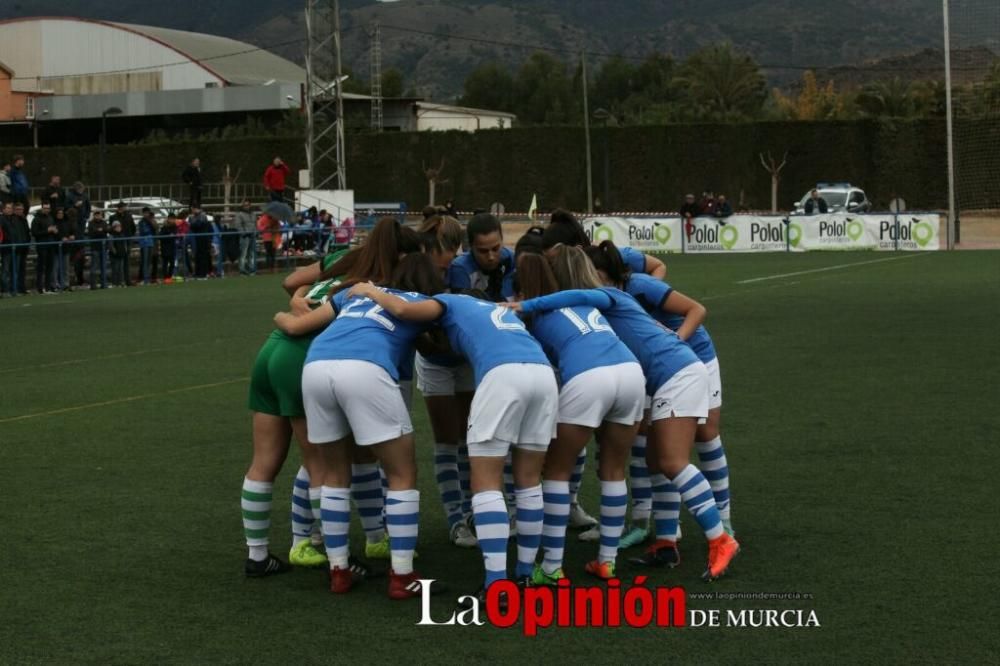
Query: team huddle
(522,357)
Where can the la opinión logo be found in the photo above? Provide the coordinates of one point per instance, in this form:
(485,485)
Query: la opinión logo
(565,606)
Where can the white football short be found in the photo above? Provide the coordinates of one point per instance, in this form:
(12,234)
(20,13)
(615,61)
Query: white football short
(684,395)
(516,404)
(406,390)
(614,393)
(434,379)
(347,396)
(714,384)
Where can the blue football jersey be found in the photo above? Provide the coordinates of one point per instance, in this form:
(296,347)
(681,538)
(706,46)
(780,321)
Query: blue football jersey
(660,352)
(634,260)
(465,273)
(651,294)
(577,339)
(487,334)
(363,331)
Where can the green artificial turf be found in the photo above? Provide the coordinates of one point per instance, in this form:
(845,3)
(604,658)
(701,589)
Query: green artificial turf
(860,424)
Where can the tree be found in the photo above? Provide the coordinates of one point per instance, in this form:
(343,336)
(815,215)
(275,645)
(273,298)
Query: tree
(615,82)
(723,85)
(772,167)
(392,83)
(543,91)
(814,102)
(489,86)
(892,98)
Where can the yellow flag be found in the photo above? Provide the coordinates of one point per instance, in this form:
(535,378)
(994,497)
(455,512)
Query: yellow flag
(534,206)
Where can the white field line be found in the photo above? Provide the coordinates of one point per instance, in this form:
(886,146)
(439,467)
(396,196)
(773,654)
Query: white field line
(119,401)
(830,268)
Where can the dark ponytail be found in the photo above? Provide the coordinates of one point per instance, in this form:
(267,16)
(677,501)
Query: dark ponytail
(608,259)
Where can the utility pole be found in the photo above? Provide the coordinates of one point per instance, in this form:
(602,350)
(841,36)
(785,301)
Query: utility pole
(376,75)
(949,124)
(586,131)
(325,152)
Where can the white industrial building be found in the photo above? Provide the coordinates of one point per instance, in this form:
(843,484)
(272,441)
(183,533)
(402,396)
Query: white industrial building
(74,70)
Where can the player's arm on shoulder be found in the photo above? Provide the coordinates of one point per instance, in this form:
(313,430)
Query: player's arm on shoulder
(693,312)
(313,320)
(299,304)
(303,277)
(567,299)
(424,310)
(655,267)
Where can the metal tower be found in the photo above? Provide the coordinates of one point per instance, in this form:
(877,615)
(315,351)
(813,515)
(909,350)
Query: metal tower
(376,75)
(325,152)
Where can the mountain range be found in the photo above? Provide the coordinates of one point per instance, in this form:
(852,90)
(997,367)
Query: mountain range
(436,43)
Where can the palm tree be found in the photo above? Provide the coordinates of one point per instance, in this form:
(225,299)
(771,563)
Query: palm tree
(723,84)
(893,98)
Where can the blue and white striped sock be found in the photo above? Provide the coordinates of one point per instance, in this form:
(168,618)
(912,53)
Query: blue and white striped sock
(666,507)
(555,495)
(316,501)
(642,490)
(402,518)
(493,532)
(576,478)
(336,513)
(302,513)
(712,462)
(614,503)
(697,497)
(508,479)
(366,491)
(464,478)
(446,472)
(530,513)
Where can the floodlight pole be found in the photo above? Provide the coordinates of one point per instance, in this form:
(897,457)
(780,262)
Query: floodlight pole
(949,123)
(325,152)
(586,131)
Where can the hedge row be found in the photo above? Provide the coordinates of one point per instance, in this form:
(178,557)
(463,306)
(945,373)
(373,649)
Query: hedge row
(650,168)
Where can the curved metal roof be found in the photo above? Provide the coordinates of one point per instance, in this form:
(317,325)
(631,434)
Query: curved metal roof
(238,63)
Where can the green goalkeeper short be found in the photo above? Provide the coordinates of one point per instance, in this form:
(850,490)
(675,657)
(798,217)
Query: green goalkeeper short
(276,379)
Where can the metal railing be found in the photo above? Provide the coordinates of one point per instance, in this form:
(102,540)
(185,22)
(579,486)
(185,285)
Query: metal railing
(214,193)
(110,260)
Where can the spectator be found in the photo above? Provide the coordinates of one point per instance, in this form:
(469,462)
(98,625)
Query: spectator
(707,206)
(168,247)
(65,231)
(42,231)
(147,245)
(123,216)
(244,224)
(723,209)
(192,177)
(274,179)
(344,231)
(216,260)
(815,204)
(55,194)
(183,240)
(77,251)
(77,198)
(7,253)
(689,211)
(201,229)
(5,185)
(449,209)
(19,187)
(119,254)
(97,234)
(22,236)
(269,236)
